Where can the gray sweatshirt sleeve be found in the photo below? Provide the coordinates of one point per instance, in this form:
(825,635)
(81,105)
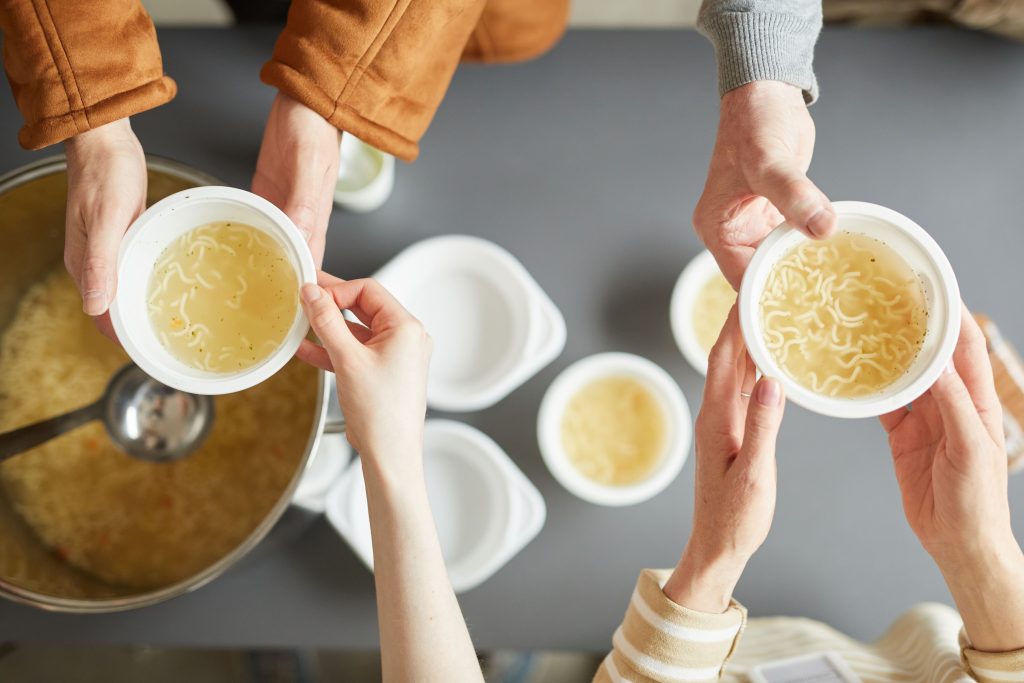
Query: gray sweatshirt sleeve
(763,40)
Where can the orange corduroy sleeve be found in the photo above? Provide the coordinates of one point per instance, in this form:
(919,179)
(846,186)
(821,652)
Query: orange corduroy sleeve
(379,68)
(74,65)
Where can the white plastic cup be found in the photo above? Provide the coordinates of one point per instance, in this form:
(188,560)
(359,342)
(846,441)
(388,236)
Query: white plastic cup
(366,176)
(941,293)
(669,397)
(698,272)
(153,231)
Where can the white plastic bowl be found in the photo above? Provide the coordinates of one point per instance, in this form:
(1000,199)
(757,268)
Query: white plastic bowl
(698,272)
(147,238)
(366,176)
(678,427)
(942,296)
(484,507)
(493,326)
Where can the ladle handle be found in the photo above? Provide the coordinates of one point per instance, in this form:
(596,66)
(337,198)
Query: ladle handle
(20,440)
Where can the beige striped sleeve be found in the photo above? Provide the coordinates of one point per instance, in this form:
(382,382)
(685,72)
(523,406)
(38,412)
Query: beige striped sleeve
(991,667)
(663,642)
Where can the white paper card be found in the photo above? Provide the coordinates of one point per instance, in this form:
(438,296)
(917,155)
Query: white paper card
(822,667)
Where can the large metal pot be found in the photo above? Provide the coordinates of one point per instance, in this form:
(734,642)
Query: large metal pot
(32,201)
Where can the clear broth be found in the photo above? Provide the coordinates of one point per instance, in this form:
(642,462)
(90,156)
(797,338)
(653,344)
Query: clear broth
(222,297)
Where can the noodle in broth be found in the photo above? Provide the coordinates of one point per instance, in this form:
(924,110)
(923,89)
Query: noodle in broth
(844,317)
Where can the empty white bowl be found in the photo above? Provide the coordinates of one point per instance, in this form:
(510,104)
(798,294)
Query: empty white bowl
(484,507)
(151,233)
(493,326)
(698,272)
(942,297)
(676,413)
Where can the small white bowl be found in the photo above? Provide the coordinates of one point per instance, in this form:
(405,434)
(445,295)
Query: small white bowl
(484,508)
(698,272)
(493,326)
(366,176)
(942,297)
(141,247)
(676,412)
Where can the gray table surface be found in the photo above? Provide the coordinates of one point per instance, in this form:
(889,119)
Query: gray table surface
(586,164)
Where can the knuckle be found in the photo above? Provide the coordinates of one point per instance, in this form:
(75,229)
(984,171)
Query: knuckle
(94,268)
(323,317)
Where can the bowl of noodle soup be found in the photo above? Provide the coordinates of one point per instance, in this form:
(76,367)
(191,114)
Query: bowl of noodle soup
(701,301)
(207,299)
(856,325)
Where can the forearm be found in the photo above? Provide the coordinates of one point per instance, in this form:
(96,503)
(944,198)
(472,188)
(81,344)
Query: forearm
(763,40)
(423,636)
(74,66)
(989,593)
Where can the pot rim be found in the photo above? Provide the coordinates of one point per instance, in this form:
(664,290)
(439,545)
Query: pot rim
(56,164)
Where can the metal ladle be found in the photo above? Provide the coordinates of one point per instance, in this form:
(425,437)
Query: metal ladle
(148,420)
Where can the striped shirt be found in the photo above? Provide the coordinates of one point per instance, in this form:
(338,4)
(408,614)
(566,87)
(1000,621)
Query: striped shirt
(667,643)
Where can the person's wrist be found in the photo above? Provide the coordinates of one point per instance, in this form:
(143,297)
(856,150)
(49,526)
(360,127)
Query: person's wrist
(396,462)
(992,560)
(989,593)
(758,90)
(705,581)
(971,556)
(114,131)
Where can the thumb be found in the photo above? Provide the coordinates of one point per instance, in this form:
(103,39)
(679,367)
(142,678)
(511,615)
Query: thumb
(98,274)
(959,414)
(326,320)
(800,202)
(764,416)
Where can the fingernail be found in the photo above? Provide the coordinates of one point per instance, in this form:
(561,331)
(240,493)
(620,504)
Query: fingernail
(820,222)
(768,392)
(93,301)
(310,293)
(949,369)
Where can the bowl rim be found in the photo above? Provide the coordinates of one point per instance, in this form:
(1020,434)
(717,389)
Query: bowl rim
(697,273)
(749,306)
(127,327)
(662,386)
(542,340)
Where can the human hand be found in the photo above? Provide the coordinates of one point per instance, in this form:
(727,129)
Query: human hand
(735,482)
(757,176)
(381,366)
(951,466)
(106,193)
(297,168)
(950,458)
